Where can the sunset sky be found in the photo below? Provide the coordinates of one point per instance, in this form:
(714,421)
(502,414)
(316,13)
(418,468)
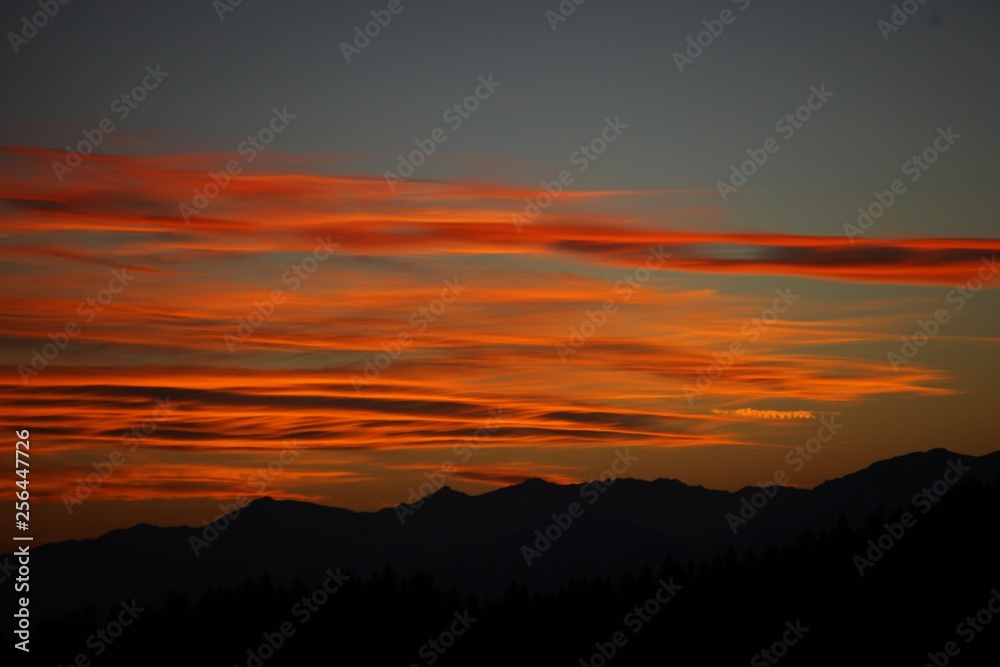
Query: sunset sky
(478,300)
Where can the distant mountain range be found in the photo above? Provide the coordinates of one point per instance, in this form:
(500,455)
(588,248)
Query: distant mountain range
(481,543)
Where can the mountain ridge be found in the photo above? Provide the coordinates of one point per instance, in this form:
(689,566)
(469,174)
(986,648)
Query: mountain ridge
(477,543)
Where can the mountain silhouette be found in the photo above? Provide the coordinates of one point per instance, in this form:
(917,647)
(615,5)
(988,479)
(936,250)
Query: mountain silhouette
(475,544)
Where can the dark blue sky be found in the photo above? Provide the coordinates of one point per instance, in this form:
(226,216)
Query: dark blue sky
(608,59)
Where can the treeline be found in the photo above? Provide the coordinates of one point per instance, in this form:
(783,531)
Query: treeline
(911,601)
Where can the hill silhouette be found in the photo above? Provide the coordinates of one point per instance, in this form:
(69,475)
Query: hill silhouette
(905,607)
(476,544)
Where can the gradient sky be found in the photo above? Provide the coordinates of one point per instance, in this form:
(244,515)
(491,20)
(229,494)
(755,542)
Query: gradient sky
(494,347)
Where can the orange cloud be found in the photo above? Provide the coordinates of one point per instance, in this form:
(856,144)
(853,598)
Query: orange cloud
(256,211)
(752,413)
(442,366)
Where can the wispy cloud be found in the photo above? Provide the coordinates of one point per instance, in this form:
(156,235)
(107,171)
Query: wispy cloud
(163,336)
(751,413)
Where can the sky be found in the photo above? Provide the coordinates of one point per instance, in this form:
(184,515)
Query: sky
(488,242)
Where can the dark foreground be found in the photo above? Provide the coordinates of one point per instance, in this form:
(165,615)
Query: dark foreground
(801,604)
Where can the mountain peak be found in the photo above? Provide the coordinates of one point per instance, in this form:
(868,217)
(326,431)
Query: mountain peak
(536,482)
(446,493)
